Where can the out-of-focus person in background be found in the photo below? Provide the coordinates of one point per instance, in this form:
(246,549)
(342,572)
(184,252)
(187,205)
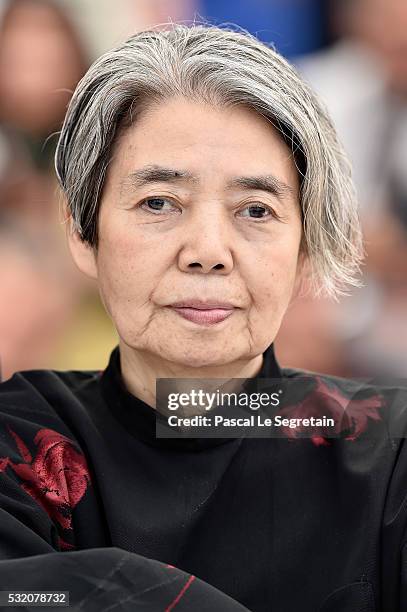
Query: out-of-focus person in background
(42,296)
(363,80)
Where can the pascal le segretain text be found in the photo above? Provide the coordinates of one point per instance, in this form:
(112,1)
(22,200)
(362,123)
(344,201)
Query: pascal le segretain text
(251,421)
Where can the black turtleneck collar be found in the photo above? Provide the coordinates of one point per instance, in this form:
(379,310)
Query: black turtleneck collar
(139,419)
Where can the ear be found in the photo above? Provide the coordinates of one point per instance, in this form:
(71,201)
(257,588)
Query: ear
(84,255)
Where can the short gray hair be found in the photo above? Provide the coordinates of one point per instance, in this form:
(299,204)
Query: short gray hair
(222,66)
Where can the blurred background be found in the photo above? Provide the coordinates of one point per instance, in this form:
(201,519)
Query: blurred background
(352,52)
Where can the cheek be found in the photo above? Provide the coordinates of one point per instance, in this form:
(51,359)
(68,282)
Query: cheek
(128,275)
(272,279)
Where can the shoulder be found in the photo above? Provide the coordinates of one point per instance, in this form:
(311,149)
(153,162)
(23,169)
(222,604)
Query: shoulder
(35,400)
(387,385)
(374,408)
(35,389)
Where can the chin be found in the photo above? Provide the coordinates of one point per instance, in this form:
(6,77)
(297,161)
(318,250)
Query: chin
(196,356)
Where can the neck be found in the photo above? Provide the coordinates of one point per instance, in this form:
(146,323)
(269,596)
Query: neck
(140,370)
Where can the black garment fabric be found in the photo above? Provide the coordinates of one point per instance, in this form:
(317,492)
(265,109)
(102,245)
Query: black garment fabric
(91,502)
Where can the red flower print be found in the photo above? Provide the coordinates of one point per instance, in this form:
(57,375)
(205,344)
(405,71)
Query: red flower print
(58,476)
(350,415)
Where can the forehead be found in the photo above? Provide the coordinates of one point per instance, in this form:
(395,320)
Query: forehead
(203,139)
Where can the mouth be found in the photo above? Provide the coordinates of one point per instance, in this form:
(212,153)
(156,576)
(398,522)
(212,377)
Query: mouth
(204,313)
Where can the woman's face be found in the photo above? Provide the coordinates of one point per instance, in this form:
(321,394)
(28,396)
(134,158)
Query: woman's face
(200,203)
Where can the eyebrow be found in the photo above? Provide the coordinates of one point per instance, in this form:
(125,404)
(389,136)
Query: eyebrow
(154,173)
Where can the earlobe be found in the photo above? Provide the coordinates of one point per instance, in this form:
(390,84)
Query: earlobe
(84,255)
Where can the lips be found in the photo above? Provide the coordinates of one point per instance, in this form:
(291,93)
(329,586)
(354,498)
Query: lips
(203,313)
(203,305)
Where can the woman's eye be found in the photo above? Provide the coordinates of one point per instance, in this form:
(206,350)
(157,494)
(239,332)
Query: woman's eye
(257,211)
(157,205)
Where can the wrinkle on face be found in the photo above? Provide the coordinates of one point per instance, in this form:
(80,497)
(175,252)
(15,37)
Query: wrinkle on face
(144,260)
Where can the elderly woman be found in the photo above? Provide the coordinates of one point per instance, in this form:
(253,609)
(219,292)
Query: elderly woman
(203,182)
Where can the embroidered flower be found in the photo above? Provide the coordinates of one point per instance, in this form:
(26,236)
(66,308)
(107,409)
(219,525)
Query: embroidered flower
(327,400)
(57,477)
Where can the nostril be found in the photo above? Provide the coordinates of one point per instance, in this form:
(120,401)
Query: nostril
(218,266)
(194,264)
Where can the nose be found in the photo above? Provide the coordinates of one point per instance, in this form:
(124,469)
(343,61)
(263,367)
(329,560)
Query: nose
(206,244)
